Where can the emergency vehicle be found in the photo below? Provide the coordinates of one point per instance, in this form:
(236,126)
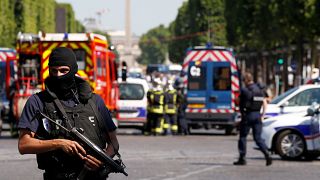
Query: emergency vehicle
(212,86)
(132,103)
(7,61)
(295,135)
(96,64)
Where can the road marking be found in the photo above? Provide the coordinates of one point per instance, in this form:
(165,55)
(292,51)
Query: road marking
(193,173)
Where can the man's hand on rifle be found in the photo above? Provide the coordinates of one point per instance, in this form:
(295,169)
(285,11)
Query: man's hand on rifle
(91,163)
(72,148)
(75,149)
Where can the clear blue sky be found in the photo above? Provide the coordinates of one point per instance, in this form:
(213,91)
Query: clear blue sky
(145,14)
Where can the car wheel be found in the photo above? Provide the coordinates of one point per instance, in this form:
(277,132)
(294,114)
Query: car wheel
(290,145)
(229,130)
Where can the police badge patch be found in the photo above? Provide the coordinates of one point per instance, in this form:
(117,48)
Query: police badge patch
(46,124)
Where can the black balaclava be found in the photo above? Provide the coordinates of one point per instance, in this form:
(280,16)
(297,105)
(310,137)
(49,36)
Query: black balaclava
(62,85)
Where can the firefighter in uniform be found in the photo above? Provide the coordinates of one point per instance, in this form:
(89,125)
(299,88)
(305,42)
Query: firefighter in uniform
(170,109)
(155,108)
(69,101)
(252,98)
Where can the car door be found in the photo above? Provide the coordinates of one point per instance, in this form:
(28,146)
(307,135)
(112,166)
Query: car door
(197,85)
(219,85)
(315,132)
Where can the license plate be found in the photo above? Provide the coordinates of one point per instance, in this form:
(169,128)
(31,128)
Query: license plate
(127,115)
(196,106)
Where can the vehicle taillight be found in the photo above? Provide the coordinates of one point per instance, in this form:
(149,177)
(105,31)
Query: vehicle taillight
(237,100)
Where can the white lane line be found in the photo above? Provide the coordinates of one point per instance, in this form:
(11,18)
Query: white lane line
(193,173)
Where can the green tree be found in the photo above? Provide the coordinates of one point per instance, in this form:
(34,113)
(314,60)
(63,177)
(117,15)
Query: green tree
(197,23)
(7,25)
(154,45)
(31,16)
(34,15)
(46,15)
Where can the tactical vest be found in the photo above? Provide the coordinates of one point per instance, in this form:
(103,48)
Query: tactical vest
(171,102)
(155,101)
(81,116)
(256,98)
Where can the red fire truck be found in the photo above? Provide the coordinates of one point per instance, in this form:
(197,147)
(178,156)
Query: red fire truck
(96,64)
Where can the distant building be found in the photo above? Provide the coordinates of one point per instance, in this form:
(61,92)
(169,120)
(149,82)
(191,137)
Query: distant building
(91,24)
(129,55)
(119,41)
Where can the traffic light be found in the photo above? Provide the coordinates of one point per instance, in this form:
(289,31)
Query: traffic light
(280,61)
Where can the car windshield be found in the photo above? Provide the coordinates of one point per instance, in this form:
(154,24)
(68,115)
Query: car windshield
(279,98)
(131,91)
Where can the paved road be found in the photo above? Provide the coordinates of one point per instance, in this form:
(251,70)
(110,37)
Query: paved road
(197,157)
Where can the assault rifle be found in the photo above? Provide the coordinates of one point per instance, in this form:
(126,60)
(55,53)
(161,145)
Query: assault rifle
(112,166)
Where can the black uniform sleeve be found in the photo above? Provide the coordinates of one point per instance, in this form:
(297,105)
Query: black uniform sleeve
(27,119)
(105,113)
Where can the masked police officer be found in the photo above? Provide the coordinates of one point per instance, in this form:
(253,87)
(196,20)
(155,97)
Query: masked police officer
(252,100)
(69,101)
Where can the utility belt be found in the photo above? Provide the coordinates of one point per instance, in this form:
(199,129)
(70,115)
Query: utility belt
(249,110)
(51,175)
(158,109)
(54,175)
(245,112)
(170,109)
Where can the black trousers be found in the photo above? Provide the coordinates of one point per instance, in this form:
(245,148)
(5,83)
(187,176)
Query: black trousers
(59,176)
(51,175)
(251,120)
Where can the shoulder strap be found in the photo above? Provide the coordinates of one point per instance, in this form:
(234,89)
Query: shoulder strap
(101,122)
(63,112)
(98,115)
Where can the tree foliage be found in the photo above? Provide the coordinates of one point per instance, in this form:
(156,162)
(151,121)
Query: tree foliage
(197,23)
(32,16)
(154,45)
(267,24)
(7,25)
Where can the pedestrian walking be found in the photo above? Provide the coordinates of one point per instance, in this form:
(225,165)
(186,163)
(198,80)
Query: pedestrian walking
(252,106)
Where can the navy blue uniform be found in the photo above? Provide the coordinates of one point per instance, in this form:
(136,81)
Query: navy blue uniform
(250,119)
(34,103)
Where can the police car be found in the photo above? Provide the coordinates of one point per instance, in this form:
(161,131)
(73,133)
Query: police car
(297,99)
(132,103)
(293,136)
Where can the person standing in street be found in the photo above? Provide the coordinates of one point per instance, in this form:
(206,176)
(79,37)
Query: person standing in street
(181,103)
(252,106)
(155,108)
(170,109)
(69,101)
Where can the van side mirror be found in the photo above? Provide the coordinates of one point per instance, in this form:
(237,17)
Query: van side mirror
(284,104)
(313,109)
